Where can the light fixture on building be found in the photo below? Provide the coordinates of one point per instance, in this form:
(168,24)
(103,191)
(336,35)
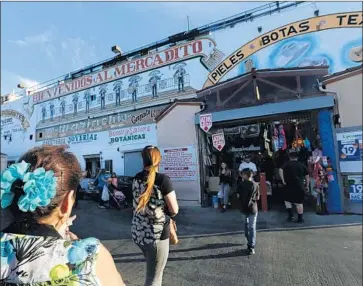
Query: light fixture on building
(258,93)
(259,29)
(316,13)
(21,86)
(116,49)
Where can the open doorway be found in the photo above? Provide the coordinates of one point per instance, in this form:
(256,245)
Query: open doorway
(93,164)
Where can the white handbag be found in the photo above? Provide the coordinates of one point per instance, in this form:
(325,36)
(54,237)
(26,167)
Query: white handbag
(105,195)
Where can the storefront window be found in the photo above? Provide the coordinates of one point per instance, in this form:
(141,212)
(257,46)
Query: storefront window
(108,166)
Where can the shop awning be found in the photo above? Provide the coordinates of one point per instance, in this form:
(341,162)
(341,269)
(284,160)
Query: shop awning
(304,104)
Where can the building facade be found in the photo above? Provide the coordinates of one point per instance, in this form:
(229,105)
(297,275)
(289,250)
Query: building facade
(347,85)
(107,114)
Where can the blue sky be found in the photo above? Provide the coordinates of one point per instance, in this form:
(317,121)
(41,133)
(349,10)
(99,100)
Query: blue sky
(41,41)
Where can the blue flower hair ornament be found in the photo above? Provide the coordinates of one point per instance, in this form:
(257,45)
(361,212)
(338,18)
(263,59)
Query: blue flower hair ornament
(39,186)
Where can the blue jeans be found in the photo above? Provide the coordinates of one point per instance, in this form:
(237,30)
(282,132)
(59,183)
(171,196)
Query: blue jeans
(250,229)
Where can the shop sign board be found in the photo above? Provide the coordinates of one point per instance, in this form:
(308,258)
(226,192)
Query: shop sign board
(355,189)
(131,135)
(205,121)
(218,141)
(298,28)
(55,142)
(102,123)
(203,48)
(179,163)
(82,138)
(350,151)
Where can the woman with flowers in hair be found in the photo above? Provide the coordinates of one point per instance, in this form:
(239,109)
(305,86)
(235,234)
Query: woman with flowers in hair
(154,204)
(38,248)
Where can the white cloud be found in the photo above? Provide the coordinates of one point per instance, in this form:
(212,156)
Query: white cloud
(43,40)
(80,52)
(39,39)
(10,80)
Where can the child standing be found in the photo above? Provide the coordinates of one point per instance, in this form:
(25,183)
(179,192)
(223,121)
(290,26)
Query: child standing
(249,194)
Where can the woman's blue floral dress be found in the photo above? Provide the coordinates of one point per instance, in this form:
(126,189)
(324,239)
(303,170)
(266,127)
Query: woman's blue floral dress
(47,260)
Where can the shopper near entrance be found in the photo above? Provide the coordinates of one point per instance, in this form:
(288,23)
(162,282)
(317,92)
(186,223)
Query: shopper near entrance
(225,184)
(100,183)
(248,192)
(38,247)
(154,204)
(292,175)
(247,164)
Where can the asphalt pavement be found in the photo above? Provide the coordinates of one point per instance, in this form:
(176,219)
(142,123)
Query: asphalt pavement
(325,250)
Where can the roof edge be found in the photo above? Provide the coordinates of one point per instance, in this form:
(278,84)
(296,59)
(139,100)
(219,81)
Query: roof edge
(167,110)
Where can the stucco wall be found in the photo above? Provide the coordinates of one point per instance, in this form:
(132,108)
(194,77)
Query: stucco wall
(350,99)
(177,129)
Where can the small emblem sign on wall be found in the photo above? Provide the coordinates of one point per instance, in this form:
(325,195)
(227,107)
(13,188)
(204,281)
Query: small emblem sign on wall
(205,121)
(218,141)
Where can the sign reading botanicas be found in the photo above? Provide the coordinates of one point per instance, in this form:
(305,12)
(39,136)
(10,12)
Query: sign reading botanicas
(202,47)
(131,135)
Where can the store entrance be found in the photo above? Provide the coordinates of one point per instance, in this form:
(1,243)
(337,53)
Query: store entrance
(263,144)
(93,164)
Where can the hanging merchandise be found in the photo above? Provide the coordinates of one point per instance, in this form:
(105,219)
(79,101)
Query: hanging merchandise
(321,180)
(307,144)
(275,140)
(298,141)
(266,141)
(282,138)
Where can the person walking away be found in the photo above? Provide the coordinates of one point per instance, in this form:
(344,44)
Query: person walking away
(292,175)
(248,192)
(247,164)
(38,248)
(101,181)
(225,184)
(154,203)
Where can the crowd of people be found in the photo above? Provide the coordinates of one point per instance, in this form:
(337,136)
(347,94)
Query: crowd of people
(41,192)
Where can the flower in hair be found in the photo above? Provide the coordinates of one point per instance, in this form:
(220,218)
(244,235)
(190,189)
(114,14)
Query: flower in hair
(39,186)
(39,189)
(8,177)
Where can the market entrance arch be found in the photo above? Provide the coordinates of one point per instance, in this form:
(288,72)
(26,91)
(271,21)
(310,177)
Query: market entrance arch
(310,25)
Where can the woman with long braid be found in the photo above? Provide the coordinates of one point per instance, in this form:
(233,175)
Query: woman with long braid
(154,204)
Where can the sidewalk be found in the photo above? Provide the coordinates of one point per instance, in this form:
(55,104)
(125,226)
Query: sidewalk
(112,224)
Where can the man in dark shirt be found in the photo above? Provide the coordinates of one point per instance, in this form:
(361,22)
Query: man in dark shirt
(292,175)
(249,194)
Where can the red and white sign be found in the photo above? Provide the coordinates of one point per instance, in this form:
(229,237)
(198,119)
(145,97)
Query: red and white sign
(202,47)
(205,121)
(218,141)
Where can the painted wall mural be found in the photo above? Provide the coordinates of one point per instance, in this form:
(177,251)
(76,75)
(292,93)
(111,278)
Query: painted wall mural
(101,123)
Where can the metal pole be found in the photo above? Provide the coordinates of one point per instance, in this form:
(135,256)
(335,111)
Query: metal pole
(188,22)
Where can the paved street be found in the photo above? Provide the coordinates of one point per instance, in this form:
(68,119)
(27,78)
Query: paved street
(326,250)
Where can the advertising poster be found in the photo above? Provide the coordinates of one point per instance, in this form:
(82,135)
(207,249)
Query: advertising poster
(180,164)
(355,188)
(350,151)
